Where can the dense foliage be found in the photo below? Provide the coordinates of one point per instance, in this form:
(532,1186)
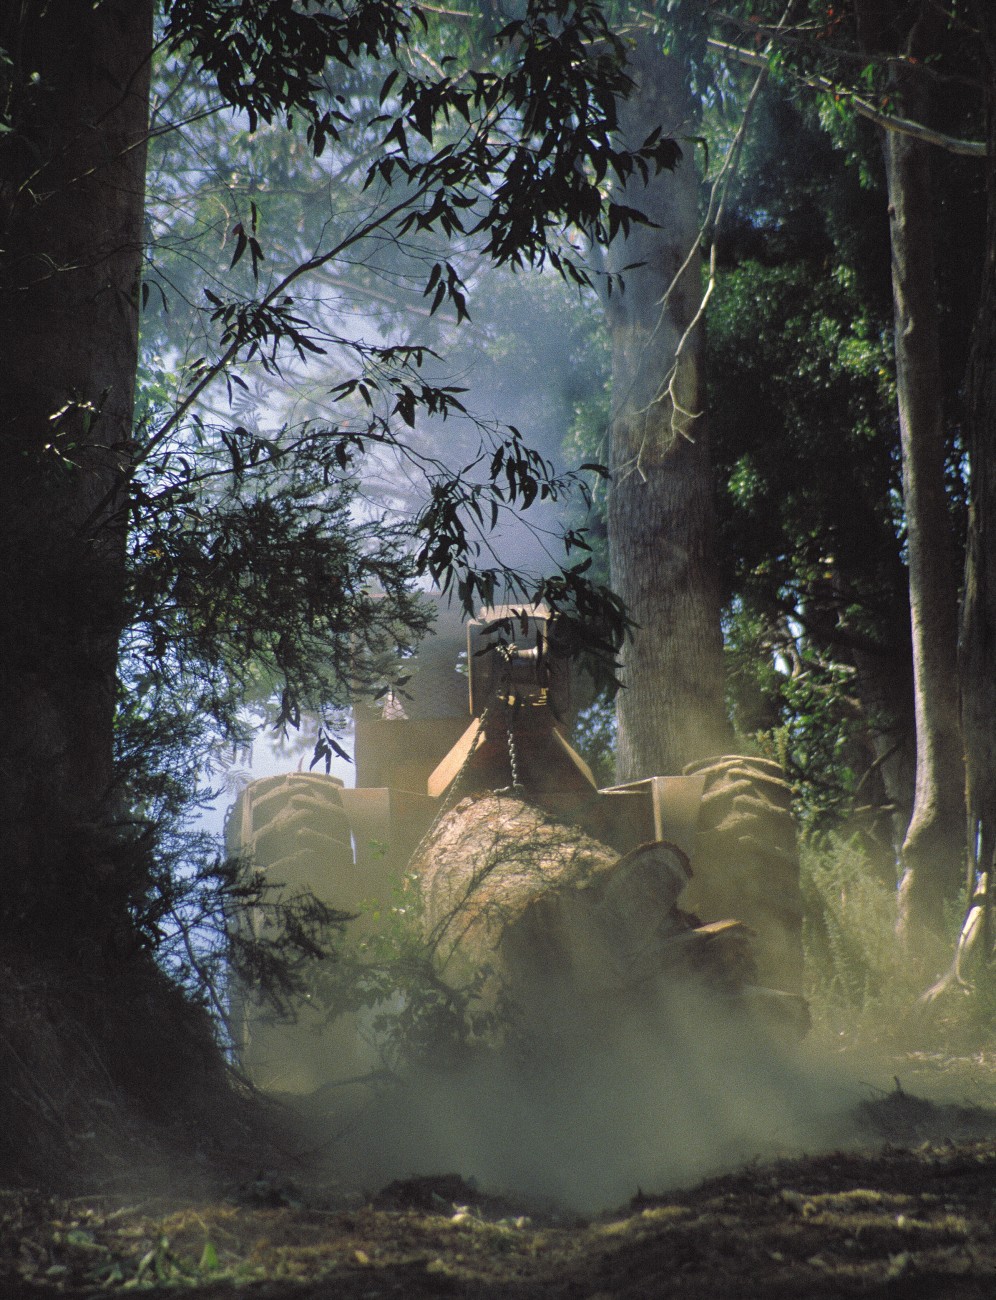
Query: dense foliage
(802,404)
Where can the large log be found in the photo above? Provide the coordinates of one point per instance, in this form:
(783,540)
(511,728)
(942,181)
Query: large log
(554,919)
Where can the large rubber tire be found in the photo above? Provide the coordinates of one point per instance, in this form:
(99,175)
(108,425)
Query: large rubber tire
(295,829)
(746,862)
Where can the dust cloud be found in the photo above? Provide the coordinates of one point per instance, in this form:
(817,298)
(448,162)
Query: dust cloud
(655,1099)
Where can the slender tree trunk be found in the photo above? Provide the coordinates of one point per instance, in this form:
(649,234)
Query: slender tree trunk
(978,614)
(72,225)
(933,850)
(660,517)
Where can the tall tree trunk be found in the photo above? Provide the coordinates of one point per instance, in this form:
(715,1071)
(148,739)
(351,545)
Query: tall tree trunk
(978,614)
(72,226)
(933,850)
(660,515)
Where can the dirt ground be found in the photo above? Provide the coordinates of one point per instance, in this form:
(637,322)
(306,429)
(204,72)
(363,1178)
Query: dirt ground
(909,1215)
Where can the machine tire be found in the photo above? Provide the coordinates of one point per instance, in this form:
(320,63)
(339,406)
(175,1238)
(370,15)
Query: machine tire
(294,828)
(746,861)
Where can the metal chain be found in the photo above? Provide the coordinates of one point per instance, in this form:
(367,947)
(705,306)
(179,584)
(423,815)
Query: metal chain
(513,757)
(516,786)
(507,653)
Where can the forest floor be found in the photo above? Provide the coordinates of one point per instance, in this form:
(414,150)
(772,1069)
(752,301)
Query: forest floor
(910,1214)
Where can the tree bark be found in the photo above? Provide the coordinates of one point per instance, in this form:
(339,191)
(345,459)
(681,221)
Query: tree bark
(660,511)
(933,849)
(71,213)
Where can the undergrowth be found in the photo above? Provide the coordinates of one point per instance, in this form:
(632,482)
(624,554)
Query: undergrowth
(862,986)
(389,975)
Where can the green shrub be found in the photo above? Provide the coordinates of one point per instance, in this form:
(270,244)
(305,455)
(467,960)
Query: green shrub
(856,976)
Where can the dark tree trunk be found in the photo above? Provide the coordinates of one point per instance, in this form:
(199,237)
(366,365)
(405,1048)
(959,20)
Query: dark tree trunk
(978,614)
(72,226)
(660,517)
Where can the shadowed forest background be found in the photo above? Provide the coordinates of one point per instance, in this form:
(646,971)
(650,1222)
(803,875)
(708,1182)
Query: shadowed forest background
(678,318)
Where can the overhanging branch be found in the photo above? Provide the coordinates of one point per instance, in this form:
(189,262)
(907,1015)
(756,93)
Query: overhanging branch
(888,121)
